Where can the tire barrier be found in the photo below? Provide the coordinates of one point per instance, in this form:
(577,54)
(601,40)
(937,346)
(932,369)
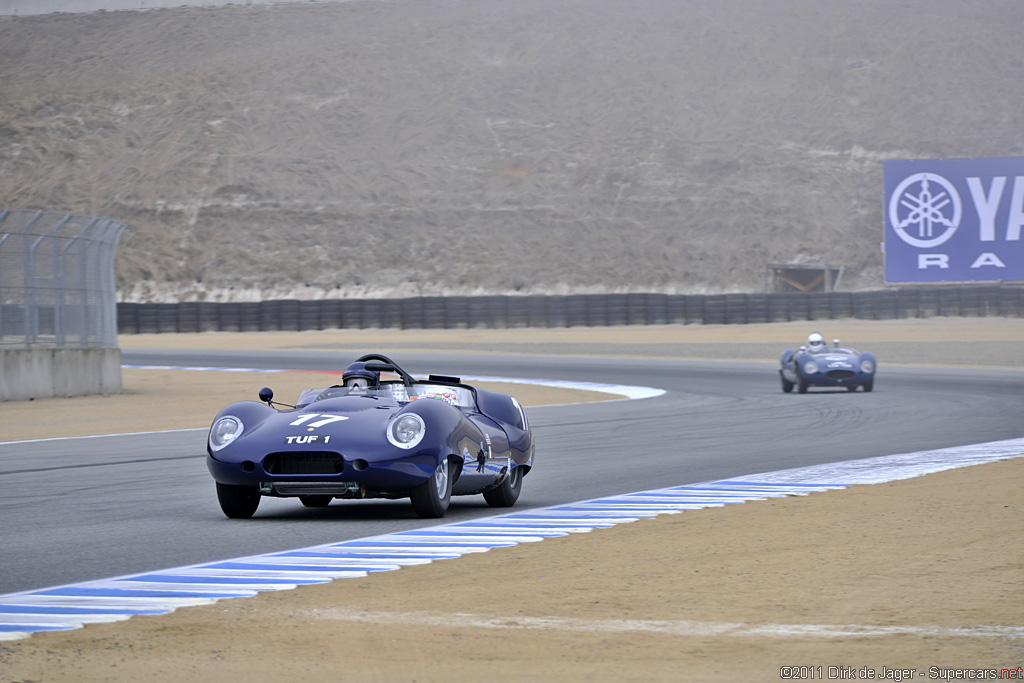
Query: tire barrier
(574,310)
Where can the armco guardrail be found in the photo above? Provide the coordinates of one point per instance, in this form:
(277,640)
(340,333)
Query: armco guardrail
(576,310)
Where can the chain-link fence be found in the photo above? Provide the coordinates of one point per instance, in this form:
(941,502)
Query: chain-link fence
(57,280)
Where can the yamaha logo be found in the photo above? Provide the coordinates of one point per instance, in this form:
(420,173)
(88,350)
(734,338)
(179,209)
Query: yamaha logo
(954,220)
(925,210)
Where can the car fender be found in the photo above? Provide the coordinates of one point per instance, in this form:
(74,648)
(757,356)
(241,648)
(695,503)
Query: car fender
(787,366)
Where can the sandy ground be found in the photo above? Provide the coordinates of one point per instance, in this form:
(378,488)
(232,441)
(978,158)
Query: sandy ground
(908,575)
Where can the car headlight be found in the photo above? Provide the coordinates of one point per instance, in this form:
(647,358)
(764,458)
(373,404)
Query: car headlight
(810,367)
(224,431)
(867,367)
(407,430)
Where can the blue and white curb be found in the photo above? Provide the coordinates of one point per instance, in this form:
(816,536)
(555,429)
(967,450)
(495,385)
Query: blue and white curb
(72,606)
(623,391)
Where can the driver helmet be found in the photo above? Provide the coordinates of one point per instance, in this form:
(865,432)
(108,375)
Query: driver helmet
(815,341)
(357,376)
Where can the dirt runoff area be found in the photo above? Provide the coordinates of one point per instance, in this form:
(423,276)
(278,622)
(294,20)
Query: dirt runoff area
(913,580)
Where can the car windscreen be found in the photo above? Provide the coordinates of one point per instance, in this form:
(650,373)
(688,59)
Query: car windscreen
(833,349)
(460,397)
(383,391)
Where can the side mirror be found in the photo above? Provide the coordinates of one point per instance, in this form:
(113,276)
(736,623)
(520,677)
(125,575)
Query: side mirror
(266,394)
(835,342)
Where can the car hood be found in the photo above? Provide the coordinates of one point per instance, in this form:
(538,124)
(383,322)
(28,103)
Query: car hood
(340,423)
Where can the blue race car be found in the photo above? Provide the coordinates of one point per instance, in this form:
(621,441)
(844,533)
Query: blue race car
(821,365)
(369,437)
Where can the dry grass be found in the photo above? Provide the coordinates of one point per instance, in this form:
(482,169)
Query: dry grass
(442,146)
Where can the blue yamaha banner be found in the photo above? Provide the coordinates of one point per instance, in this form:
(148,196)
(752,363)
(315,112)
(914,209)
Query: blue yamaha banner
(954,220)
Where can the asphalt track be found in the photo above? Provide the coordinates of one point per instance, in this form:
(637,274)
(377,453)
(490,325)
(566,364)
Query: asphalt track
(81,509)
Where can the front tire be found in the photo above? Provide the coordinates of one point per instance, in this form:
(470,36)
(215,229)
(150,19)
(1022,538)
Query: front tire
(430,499)
(787,386)
(238,502)
(801,385)
(505,494)
(868,386)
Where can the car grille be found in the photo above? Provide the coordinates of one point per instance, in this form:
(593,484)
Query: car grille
(841,374)
(309,462)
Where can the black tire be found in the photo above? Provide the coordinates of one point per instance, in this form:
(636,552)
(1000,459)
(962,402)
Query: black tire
(801,385)
(787,386)
(316,501)
(505,494)
(868,386)
(430,499)
(238,502)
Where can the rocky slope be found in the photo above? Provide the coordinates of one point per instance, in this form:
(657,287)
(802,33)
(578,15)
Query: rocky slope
(410,147)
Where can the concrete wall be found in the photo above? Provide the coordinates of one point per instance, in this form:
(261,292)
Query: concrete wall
(27,8)
(45,373)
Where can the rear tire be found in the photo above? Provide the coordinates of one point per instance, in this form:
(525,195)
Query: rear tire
(238,502)
(505,494)
(430,499)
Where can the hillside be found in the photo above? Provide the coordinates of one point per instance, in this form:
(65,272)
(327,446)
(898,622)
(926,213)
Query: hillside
(404,147)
